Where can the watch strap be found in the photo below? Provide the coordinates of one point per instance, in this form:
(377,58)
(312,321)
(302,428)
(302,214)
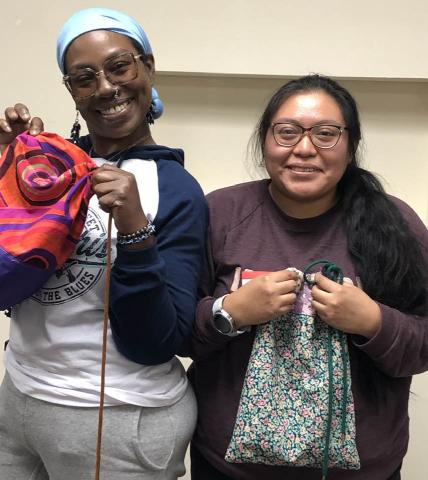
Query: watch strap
(223,321)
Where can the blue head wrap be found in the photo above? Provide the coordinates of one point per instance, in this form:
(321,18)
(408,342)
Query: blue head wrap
(91,19)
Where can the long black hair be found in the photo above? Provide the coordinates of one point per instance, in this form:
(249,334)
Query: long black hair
(387,256)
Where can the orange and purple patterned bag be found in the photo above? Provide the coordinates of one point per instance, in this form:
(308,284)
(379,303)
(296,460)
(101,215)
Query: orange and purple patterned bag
(44,194)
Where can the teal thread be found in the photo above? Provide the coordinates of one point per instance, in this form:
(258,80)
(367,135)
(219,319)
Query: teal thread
(334,273)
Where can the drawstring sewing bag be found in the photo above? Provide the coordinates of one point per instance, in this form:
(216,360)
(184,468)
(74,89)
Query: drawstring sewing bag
(44,193)
(296,407)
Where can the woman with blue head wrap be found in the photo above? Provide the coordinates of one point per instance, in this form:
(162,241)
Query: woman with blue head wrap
(111,20)
(51,389)
(104,19)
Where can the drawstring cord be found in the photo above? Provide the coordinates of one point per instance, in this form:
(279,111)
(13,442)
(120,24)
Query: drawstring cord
(335,273)
(104,351)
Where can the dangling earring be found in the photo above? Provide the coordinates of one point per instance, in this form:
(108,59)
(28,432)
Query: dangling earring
(116,93)
(149,115)
(75,130)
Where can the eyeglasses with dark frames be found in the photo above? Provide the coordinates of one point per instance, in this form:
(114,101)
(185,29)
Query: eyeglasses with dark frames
(322,136)
(118,70)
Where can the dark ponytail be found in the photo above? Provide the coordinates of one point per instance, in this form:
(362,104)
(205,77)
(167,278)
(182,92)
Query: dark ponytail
(387,256)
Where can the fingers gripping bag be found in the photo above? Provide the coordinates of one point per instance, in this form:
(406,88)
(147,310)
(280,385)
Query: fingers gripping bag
(296,407)
(44,194)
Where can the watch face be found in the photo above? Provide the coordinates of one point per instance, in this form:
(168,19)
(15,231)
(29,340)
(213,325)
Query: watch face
(222,324)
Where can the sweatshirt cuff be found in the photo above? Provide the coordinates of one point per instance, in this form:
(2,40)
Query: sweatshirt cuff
(135,258)
(379,345)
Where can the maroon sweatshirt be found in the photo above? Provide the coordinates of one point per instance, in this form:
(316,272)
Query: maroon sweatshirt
(248,230)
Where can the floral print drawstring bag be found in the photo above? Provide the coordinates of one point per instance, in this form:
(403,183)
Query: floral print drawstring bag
(296,406)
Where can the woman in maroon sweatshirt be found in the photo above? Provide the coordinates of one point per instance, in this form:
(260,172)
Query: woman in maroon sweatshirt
(317,203)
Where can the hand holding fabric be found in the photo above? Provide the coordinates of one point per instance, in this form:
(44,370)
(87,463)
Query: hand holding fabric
(345,307)
(264,298)
(117,192)
(17,120)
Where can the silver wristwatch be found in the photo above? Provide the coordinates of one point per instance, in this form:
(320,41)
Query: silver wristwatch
(223,321)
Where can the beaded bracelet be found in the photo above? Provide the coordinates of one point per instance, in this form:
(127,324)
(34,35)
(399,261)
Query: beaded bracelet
(136,237)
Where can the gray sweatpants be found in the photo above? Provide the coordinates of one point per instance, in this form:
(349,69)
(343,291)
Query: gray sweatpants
(46,441)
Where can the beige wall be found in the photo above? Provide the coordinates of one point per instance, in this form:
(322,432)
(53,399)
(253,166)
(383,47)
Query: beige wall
(359,39)
(216,76)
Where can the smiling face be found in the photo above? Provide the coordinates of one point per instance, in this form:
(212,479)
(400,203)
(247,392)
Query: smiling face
(304,177)
(114,122)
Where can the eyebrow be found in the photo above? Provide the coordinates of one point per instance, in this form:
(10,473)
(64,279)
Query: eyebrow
(80,66)
(321,122)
